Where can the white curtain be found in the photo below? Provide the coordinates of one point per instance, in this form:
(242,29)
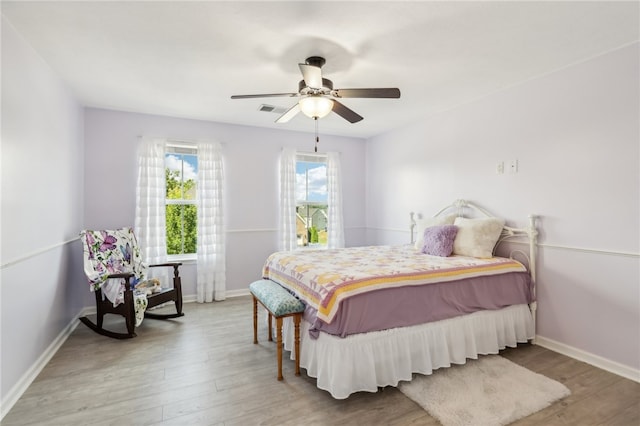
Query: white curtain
(287,238)
(335,225)
(150,201)
(211,245)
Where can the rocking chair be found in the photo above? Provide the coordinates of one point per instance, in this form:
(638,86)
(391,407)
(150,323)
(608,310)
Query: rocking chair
(118,277)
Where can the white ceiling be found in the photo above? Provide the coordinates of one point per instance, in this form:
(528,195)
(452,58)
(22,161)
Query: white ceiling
(185,59)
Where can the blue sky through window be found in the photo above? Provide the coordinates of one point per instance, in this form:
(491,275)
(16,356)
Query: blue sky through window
(174,162)
(311,181)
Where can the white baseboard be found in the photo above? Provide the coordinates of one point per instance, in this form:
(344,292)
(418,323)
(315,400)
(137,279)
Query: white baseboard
(595,360)
(30,375)
(87,310)
(192,298)
(238,293)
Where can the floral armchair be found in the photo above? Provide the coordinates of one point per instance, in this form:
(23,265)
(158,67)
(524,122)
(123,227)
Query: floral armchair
(118,276)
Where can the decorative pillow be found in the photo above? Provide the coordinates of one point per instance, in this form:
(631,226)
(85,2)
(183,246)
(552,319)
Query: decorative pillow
(422,224)
(477,237)
(438,240)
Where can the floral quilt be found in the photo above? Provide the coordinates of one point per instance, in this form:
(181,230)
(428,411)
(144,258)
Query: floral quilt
(111,252)
(323,278)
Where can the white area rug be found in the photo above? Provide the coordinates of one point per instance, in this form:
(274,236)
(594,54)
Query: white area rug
(488,391)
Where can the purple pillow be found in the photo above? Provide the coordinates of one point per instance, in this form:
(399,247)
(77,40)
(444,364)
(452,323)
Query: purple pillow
(438,240)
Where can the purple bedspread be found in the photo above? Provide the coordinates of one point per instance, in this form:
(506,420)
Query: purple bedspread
(412,305)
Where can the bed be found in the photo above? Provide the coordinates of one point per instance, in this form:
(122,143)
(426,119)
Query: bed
(376,315)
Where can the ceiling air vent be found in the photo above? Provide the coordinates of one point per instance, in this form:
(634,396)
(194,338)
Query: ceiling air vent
(271,108)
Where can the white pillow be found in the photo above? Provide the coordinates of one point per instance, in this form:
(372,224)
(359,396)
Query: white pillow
(424,223)
(477,237)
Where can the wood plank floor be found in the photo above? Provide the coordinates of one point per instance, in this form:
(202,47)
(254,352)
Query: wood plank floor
(202,369)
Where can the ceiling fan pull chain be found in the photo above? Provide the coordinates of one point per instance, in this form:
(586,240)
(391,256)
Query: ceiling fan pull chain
(317,137)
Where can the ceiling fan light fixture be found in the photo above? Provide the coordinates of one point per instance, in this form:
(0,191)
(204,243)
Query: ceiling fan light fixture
(315,106)
(316,95)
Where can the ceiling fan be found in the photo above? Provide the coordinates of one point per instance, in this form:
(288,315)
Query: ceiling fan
(318,97)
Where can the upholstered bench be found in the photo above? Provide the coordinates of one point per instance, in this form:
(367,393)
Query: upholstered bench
(280,304)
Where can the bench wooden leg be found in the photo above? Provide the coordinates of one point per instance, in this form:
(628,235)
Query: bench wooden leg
(296,323)
(255,320)
(264,289)
(279,343)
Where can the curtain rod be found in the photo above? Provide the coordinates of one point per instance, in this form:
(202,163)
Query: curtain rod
(312,154)
(188,143)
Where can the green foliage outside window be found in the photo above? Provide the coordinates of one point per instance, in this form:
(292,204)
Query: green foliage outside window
(181,219)
(313,235)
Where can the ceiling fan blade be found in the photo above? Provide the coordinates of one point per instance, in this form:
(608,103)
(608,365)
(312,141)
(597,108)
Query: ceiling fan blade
(312,75)
(291,112)
(266,95)
(388,92)
(346,113)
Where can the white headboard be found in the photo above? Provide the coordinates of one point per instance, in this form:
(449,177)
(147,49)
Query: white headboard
(530,233)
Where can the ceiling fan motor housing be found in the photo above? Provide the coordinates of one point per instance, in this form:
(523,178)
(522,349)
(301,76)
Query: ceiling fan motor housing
(327,86)
(316,61)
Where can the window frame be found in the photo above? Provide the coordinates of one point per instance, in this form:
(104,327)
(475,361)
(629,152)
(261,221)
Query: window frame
(182,148)
(318,159)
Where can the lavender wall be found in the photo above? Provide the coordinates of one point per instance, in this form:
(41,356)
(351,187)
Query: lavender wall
(251,168)
(575,134)
(42,154)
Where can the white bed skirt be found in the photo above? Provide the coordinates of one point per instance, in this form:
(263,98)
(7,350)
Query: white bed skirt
(364,362)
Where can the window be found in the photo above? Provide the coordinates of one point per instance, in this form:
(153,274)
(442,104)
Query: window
(311,200)
(181,174)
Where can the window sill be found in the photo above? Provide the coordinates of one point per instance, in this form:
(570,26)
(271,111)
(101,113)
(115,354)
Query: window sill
(186,260)
(313,247)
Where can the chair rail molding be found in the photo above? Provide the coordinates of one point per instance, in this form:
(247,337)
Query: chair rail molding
(36,253)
